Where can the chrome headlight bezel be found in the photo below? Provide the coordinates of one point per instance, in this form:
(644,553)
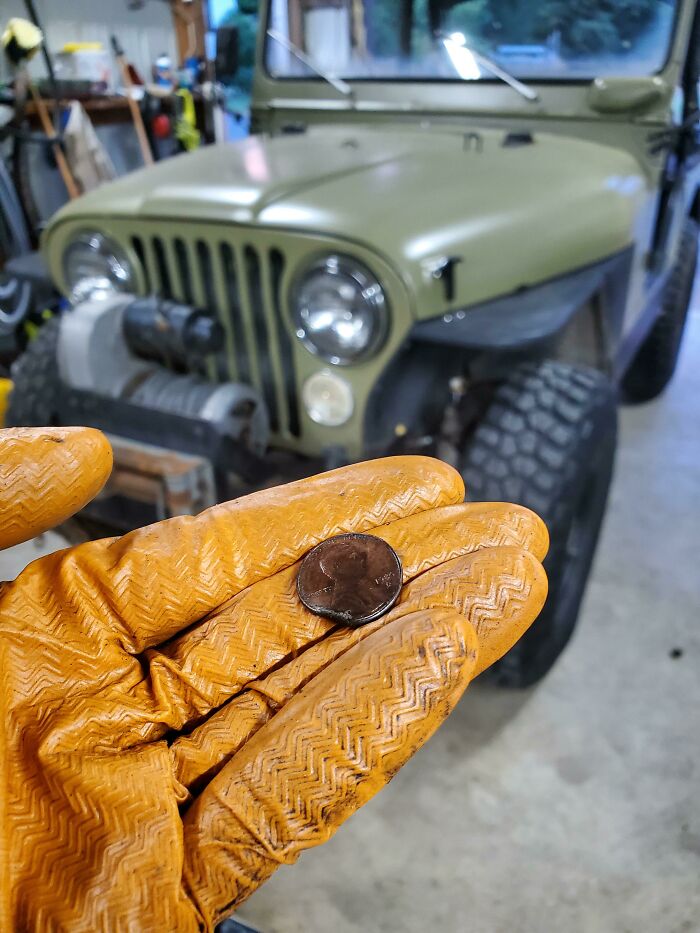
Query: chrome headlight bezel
(352,274)
(107,267)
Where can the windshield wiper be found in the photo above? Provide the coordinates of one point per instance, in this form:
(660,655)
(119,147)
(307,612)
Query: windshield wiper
(341,86)
(457,40)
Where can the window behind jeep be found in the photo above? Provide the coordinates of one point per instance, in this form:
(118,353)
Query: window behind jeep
(396,39)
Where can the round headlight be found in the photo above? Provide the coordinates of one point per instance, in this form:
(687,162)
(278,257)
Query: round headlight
(96,267)
(340,312)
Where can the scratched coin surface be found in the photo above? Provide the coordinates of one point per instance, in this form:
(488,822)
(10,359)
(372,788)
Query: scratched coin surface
(351,578)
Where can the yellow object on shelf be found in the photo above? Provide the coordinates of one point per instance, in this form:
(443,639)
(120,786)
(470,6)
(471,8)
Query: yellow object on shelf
(82,47)
(5,389)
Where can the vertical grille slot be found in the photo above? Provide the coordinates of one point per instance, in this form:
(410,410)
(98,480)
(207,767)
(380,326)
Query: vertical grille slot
(257,309)
(207,290)
(163,282)
(239,342)
(184,272)
(285,343)
(140,250)
(206,273)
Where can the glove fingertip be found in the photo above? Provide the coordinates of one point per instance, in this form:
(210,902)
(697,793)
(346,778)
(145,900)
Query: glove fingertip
(47,475)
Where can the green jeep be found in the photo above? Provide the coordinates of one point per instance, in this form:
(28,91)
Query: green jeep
(458,229)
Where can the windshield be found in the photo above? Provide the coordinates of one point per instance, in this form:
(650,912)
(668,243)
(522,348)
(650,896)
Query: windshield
(410,39)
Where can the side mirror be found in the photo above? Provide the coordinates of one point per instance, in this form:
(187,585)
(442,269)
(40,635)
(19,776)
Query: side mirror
(227,53)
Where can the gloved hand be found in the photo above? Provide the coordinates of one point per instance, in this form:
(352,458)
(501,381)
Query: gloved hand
(176,725)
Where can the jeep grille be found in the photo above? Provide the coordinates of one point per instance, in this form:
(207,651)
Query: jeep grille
(241,286)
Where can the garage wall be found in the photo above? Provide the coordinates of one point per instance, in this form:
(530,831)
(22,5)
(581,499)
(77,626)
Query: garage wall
(144,35)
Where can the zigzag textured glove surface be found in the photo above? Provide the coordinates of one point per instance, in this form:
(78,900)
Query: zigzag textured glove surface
(47,476)
(176,724)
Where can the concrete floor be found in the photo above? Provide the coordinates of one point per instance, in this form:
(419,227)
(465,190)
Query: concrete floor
(570,808)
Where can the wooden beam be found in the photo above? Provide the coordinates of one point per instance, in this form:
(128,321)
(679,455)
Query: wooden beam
(61,161)
(190,27)
(296,27)
(358,28)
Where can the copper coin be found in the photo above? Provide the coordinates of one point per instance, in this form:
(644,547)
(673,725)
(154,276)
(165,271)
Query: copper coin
(351,578)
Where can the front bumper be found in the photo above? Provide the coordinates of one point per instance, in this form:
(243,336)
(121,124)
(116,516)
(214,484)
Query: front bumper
(172,464)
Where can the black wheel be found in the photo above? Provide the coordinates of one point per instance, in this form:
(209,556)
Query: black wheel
(547,441)
(17,297)
(653,366)
(36,382)
(22,176)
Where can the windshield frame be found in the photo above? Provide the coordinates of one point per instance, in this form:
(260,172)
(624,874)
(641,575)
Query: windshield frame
(489,80)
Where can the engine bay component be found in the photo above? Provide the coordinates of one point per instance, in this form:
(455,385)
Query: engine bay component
(170,332)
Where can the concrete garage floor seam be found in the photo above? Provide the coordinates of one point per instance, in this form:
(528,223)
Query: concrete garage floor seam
(569,808)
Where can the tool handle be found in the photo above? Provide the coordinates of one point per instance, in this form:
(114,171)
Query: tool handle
(48,128)
(136,116)
(144,145)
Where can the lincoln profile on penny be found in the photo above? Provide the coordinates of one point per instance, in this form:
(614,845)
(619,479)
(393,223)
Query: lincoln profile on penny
(350,578)
(176,723)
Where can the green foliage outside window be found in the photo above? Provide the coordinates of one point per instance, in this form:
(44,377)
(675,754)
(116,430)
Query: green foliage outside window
(246,19)
(583,26)
(590,26)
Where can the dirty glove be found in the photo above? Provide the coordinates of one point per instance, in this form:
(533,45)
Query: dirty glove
(176,724)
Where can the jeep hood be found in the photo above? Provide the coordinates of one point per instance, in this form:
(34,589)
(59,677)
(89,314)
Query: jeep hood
(513,214)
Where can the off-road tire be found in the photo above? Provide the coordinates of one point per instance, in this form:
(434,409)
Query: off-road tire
(655,362)
(547,441)
(36,382)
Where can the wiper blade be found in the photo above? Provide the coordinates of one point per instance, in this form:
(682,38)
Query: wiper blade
(341,86)
(456,42)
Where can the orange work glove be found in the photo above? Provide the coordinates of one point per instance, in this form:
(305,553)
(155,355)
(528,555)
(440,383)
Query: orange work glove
(175,723)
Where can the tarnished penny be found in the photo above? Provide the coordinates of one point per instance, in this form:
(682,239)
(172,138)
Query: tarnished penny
(351,578)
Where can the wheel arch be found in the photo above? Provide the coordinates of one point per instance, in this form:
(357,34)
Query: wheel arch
(531,321)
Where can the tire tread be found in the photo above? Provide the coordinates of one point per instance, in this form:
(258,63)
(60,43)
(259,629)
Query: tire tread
(529,448)
(36,381)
